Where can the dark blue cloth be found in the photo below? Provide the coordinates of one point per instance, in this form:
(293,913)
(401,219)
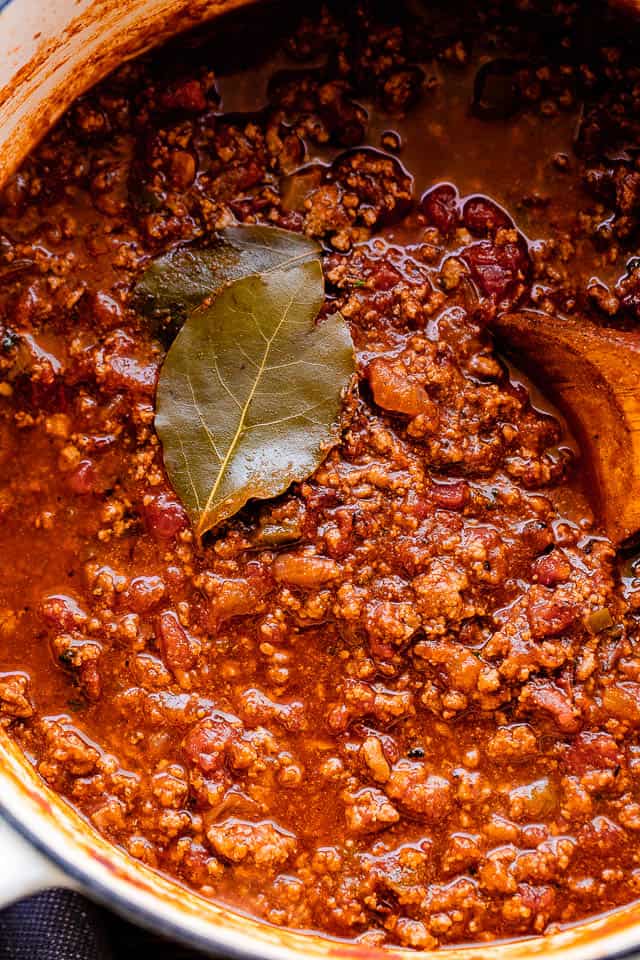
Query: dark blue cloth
(61,925)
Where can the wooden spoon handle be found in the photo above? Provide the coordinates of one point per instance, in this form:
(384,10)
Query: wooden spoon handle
(593,374)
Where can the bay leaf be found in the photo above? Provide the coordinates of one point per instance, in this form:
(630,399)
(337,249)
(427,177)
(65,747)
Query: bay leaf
(249,394)
(179,281)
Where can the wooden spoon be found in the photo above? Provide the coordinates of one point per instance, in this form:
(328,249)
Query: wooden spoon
(593,373)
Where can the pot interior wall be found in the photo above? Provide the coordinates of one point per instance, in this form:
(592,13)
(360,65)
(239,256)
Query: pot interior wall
(49,57)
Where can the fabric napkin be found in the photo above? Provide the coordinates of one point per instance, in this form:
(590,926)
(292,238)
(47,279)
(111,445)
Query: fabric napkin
(62,925)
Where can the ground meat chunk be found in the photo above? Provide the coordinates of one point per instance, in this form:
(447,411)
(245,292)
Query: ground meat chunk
(439,592)
(512,743)
(63,612)
(14,697)
(369,811)
(389,625)
(265,844)
(206,744)
(361,699)
(66,747)
(230,596)
(424,794)
(364,188)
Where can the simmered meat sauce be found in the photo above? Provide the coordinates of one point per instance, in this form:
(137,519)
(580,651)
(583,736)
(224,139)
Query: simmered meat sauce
(399,703)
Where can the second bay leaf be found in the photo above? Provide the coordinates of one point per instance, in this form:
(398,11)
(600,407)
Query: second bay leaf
(177,282)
